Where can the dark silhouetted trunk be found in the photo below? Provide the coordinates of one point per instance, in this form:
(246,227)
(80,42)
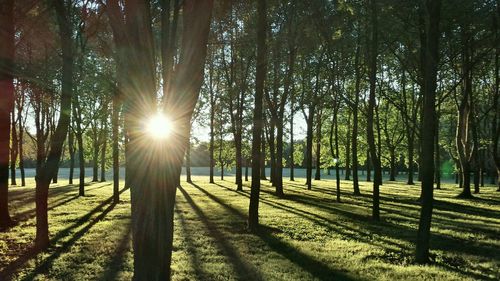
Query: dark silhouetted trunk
(348,150)
(104,143)
(371,108)
(354,138)
(317,175)
(262,158)
(115,119)
(188,163)
(13,149)
(261,69)
(431,10)
(7,48)
(309,144)
(50,165)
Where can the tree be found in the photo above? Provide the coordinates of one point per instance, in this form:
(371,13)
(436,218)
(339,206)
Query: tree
(6,103)
(253,209)
(372,64)
(155,177)
(50,165)
(431,10)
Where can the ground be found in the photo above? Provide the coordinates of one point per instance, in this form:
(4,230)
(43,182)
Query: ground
(306,235)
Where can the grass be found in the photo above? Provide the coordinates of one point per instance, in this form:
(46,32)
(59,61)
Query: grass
(306,235)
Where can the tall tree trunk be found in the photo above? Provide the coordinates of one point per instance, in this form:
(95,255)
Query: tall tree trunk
(371,107)
(431,9)
(49,166)
(368,167)
(348,150)
(392,172)
(354,138)
(81,162)
(239,159)
(212,126)
(292,164)
(95,156)
(317,175)
(153,192)
(13,149)
(247,161)
(279,160)
(104,143)
(260,76)
(71,148)
(262,158)
(437,167)
(7,48)
(272,150)
(309,141)
(188,162)
(115,143)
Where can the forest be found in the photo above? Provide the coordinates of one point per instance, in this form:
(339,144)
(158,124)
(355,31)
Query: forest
(249,140)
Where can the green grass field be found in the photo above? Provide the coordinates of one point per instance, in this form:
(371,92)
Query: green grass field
(306,235)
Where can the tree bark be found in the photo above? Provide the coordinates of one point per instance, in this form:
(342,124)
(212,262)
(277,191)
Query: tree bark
(13,149)
(431,9)
(371,106)
(260,76)
(317,175)
(7,50)
(50,165)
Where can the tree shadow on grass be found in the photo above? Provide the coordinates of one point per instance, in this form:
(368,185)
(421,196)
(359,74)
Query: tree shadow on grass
(311,265)
(115,265)
(13,267)
(241,268)
(381,229)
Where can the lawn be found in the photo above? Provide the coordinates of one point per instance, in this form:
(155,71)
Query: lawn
(305,236)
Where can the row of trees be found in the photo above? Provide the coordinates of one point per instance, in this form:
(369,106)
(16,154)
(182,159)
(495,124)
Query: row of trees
(370,79)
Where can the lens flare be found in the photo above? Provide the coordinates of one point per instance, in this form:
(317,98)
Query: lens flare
(159,126)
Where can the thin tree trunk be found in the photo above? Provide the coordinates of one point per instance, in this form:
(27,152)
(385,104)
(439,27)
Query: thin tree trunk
(371,107)
(348,150)
(253,210)
(188,163)
(104,142)
(309,140)
(317,176)
(13,149)
(116,150)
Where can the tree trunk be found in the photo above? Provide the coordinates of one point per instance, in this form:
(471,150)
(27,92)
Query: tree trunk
(392,172)
(95,156)
(116,137)
(348,150)
(51,164)
(153,192)
(239,159)
(13,149)
(212,129)
(81,162)
(292,163)
(437,169)
(309,141)
(354,137)
(368,167)
(261,69)
(104,142)
(7,48)
(279,160)
(188,162)
(317,176)
(247,161)
(262,158)
(71,148)
(371,107)
(431,9)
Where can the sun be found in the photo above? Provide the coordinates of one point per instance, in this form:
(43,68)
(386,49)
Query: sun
(159,126)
